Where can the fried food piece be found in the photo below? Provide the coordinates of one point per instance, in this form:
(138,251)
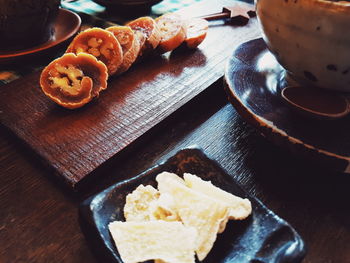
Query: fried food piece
(145,203)
(239,208)
(73,80)
(148,27)
(100,43)
(129,44)
(163,241)
(137,206)
(164,208)
(141,38)
(173,31)
(197,29)
(196,210)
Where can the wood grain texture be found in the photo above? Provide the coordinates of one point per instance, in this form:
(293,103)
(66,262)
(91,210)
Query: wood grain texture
(38,219)
(75,143)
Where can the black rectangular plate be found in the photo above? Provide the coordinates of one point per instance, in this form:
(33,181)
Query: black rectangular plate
(262,237)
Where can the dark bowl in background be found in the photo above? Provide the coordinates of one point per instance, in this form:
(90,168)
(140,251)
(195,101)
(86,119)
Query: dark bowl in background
(127,7)
(127,3)
(26,23)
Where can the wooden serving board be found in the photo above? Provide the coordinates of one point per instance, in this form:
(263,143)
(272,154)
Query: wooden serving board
(76,142)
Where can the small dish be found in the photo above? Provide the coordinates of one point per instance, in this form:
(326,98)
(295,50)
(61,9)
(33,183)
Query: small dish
(262,237)
(254,81)
(66,25)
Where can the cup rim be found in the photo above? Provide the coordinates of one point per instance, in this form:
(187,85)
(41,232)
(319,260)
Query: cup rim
(339,6)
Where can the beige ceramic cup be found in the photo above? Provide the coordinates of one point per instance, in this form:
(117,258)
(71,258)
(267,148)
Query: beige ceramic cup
(26,23)
(310,39)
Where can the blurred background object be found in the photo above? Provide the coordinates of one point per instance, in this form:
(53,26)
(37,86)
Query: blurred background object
(25,23)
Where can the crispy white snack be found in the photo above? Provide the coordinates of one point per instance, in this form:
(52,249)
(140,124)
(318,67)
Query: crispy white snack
(239,208)
(170,242)
(196,210)
(137,206)
(164,208)
(145,203)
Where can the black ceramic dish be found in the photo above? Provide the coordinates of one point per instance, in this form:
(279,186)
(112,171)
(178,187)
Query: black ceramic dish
(263,237)
(254,81)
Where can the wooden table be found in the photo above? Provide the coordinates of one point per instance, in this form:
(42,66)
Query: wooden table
(38,218)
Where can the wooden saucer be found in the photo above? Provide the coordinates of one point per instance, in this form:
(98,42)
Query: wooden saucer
(254,81)
(67,24)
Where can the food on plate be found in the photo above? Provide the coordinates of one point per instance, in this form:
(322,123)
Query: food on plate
(164,208)
(141,39)
(129,43)
(197,29)
(195,210)
(192,202)
(147,203)
(137,205)
(173,31)
(100,43)
(73,80)
(166,241)
(148,27)
(239,208)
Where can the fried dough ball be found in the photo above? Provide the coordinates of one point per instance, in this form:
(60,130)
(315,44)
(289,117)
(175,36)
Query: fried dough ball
(101,44)
(73,80)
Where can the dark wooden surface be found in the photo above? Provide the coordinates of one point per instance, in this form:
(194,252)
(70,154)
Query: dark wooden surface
(38,215)
(38,219)
(75,143)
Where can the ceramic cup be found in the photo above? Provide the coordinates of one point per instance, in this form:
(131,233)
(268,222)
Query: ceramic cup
(310,39)
(26,23)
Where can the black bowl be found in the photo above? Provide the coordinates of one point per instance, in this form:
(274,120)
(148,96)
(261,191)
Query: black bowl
(127,4)
(24,24)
